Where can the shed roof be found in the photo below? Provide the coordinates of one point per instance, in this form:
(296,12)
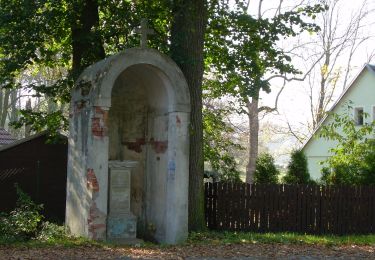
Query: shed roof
(26,139)
(5,137)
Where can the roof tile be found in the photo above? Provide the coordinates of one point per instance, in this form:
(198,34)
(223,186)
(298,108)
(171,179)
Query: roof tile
(5,137)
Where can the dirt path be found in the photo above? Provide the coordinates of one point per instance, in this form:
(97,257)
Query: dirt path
(245,251)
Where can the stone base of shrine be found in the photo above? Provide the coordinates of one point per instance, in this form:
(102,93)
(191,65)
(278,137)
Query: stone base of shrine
(121,227)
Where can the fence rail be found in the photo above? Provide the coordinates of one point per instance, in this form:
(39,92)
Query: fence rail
(293,208)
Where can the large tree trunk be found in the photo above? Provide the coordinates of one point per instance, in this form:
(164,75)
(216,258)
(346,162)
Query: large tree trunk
(5,107)
(86,41)
(14,112)
(187,39)
(253,115)
(323,87)
(28,127)
(1,100)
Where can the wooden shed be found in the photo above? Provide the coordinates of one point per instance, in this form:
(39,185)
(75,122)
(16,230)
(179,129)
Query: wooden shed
(39,167)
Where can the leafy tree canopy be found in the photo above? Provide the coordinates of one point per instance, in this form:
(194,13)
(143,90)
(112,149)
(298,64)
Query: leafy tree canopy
(69,34)
(242,49)
(218,143)
(239,50)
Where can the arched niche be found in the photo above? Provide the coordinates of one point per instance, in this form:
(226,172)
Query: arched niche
(132,106)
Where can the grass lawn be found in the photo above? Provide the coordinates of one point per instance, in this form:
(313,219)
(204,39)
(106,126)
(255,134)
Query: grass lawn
(215,238)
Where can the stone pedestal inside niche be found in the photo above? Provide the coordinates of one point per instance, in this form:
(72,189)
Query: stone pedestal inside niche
(122,224)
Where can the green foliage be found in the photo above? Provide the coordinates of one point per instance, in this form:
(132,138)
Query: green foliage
(39,120)
(50,232)
(218,146)
(23,222)
(242,50)
(60,34)
(265,169)
(297,172)
(239,49)
(353,157)
(36,34)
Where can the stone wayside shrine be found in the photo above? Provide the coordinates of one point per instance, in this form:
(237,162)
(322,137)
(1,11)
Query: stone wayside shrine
(128,159)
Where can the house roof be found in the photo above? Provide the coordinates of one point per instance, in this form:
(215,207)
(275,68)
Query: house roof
(21,141)
(5,137)
(367,67)
(27,139)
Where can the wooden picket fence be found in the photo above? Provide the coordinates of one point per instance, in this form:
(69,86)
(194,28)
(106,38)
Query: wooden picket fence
(294,208)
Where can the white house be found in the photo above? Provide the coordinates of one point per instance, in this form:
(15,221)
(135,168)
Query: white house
(361,92)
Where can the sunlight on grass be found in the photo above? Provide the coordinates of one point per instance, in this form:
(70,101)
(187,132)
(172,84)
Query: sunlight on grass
(215,237)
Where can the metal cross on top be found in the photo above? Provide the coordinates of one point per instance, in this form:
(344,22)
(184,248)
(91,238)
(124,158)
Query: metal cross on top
(143,30)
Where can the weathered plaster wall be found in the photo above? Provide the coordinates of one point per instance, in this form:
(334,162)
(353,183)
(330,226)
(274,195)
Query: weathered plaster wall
(131,106)
(77,197)
(127,132)
(157,161)
(83,215)
(138,128)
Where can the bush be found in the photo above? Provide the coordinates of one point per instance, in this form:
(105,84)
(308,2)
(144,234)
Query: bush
(22,222)
(368,170)
(353,159)
(351,172)
(25,222)
(50,231)
(297,172)
(265,170)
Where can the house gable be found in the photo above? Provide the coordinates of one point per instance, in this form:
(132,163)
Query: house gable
(361,92)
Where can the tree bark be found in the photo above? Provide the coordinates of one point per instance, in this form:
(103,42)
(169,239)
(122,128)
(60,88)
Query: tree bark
(323,87)
(86,42)
(14,111)
(187,40)
(28,127)
(5,106)
(1,100)
(253,115)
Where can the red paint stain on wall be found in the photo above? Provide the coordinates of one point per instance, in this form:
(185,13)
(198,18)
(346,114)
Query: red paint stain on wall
(95,221)
(159,146)
(136,146)
(96,218)
(99,122)
(178,121)
(100,111)
(92,181)
(96,127)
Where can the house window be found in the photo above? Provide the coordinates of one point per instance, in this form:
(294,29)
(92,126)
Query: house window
(358,115)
